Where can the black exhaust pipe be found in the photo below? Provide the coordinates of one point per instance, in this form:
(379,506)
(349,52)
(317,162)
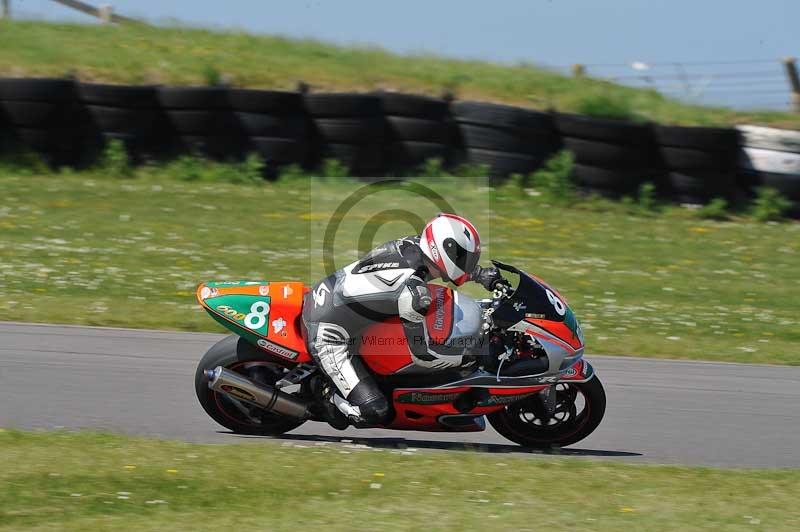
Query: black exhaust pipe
(263,396)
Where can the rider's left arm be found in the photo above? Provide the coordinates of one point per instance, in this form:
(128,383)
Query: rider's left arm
(488,277)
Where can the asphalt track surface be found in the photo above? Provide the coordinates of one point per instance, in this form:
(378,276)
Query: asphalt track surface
(141,382)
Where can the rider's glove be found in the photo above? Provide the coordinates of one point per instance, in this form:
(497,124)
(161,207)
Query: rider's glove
(489,277)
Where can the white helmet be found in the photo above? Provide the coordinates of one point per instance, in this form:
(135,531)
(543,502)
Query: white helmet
(453,245)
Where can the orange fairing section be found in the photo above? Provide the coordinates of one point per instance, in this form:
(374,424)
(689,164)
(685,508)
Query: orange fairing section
(558,329)
(384,347)
(285,327)
(286,300)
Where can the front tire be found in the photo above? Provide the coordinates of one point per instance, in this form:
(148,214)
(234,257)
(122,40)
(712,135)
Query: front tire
(237,354)
(579,410)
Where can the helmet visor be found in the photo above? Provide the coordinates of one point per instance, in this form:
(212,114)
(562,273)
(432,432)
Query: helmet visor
(463,259)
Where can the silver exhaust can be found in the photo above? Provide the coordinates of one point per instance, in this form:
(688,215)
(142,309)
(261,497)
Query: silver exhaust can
(263,396)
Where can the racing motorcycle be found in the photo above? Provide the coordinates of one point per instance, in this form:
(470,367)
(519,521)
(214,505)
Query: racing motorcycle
(524,369)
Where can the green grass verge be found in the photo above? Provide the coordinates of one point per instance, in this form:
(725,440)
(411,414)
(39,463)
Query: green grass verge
(143,54)
(69,481)
(83,249)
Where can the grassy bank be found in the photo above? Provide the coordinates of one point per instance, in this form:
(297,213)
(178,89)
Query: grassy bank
(84,249)
(103,482)
(141,54)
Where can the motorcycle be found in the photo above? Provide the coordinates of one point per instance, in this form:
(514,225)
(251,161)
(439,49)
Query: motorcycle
(522,351)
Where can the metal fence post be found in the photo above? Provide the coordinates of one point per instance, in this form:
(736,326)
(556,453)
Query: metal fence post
(790,65)
(105,13)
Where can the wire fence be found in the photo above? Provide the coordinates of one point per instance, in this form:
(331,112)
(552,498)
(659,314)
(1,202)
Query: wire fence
(742,84)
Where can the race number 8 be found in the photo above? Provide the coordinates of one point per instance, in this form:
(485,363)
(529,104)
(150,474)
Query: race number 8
(258,315)
(557,303)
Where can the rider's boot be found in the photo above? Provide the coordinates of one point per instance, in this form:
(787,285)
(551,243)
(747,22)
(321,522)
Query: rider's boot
(330,413)
(333,415)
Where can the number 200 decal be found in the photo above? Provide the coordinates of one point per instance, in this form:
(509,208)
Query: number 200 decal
(231,312)
(255,319)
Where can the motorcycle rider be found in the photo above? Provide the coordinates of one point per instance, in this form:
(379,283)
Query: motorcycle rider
(391,280)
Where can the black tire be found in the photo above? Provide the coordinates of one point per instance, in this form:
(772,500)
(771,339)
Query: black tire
(403,128)
(502,164)
(596,153)
(700,187)
(412,105)
(205,98)
(127,96)
(139,147)
(605,129)
(410,153)
(236,354)
(607,193)
(787,185)
(529,141)
(194,122)
(691,159)
(262,101)
(134,144)
(501,116)
(342,105)
(57,146)
(265,125)
(615,180)
(279,150)
(698,138)
(575,427)
(212,146)
(37,114)
(360,158)
(37,89)
(124,120)
(350,130)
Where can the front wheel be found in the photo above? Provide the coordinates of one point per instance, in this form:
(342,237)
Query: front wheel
(579,410)
(236,354)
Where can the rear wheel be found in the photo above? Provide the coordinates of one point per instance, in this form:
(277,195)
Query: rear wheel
(236,354)
(579,410)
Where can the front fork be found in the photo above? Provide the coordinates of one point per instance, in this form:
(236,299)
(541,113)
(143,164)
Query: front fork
(547,401)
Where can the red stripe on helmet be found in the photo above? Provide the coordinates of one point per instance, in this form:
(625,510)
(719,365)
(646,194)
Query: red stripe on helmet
(469,226)
(429,240)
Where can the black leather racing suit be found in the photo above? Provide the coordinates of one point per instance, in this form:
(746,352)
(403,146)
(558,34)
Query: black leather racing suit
(389,281)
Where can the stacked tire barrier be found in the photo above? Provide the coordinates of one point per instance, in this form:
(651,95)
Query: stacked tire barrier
(201,121)
(701,162)
(129,114)
(350,128)
(506,139)
(771,157)
(68,123)
(274,124)
(612,157)
(43,116)
(419,128)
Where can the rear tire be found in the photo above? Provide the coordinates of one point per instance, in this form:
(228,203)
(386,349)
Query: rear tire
(518,421)
(236,354)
